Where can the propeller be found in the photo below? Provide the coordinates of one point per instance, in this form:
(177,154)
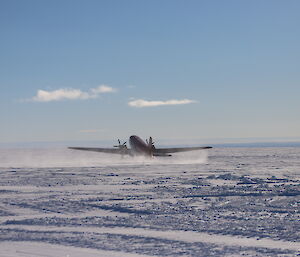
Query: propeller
(121,146)
(150,142)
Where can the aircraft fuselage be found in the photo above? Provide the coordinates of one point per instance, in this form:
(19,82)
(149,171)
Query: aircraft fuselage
(139,147)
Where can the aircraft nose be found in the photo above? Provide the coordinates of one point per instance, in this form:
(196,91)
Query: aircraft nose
(131,139)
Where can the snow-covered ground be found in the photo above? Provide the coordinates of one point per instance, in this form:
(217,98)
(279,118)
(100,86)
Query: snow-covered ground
(223,202)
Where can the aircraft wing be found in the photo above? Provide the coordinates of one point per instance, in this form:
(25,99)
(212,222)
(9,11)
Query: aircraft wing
(178,149)
(123,151)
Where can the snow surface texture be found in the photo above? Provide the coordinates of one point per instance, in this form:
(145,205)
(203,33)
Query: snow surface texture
(234,202)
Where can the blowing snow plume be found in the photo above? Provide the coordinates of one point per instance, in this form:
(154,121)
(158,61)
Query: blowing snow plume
(62,157)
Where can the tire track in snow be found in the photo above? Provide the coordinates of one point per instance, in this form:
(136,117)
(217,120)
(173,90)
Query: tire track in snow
(176,235)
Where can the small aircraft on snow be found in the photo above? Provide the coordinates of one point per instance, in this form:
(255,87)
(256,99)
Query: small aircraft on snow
(139,147)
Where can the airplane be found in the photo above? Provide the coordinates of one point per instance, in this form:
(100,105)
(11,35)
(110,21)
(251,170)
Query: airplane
(140,148)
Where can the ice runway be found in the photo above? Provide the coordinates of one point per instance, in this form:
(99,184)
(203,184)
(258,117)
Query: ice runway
(231,202)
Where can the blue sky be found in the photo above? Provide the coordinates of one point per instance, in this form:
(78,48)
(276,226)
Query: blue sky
(172,69)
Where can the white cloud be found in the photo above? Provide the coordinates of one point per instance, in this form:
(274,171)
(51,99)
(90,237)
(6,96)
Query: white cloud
(144,103)
(71,94)
(103,89)
(60,94)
